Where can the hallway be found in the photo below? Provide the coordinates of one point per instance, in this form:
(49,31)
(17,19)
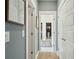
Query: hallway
(47,55)
(44,26)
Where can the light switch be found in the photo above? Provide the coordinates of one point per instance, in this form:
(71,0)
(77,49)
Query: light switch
(23,33)
(7,36)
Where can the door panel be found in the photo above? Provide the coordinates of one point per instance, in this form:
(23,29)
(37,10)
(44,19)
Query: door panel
(66,30)
(32,35)
(29,34)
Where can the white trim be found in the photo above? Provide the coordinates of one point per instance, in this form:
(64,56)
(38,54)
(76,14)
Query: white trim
(61,4)
(37,55)
(26,29)
(33,2)
(47,12)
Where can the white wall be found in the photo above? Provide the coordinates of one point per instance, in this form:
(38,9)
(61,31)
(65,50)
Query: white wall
(47,5)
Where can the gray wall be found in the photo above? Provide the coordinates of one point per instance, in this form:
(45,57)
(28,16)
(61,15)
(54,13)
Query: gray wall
(14,49)
(47,5)
(59,2)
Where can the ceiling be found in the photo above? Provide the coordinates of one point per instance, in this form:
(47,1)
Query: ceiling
(47,0)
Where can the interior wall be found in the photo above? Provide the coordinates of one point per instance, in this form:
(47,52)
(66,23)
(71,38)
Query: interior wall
(47,5)
(59,2)
(15,48)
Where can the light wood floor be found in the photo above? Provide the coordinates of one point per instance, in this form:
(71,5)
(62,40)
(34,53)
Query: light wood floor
(47,55)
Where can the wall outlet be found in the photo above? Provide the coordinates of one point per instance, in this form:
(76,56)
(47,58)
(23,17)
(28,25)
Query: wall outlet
(7,36)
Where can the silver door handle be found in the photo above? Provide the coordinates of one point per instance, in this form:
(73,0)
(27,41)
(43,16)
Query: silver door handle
(63,39)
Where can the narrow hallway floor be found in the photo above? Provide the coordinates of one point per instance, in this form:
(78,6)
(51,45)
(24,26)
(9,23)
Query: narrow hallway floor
(47,55)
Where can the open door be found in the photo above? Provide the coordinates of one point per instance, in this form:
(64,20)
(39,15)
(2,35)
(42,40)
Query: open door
(31,40)
(29,33)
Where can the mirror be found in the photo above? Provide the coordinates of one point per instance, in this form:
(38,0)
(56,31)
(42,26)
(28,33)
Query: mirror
(48,30)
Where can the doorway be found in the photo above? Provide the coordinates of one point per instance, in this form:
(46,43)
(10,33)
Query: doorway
(47,30)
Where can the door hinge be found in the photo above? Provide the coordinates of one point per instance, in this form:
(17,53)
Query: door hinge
(31,14)
(31,52)
(31,33)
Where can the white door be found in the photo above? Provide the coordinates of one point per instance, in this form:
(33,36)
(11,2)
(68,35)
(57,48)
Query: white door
(31,43)
(66,30)
(29,34)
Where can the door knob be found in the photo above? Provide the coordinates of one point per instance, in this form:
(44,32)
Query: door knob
(63,39)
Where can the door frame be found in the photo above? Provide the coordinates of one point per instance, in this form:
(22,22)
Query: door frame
(50,13)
